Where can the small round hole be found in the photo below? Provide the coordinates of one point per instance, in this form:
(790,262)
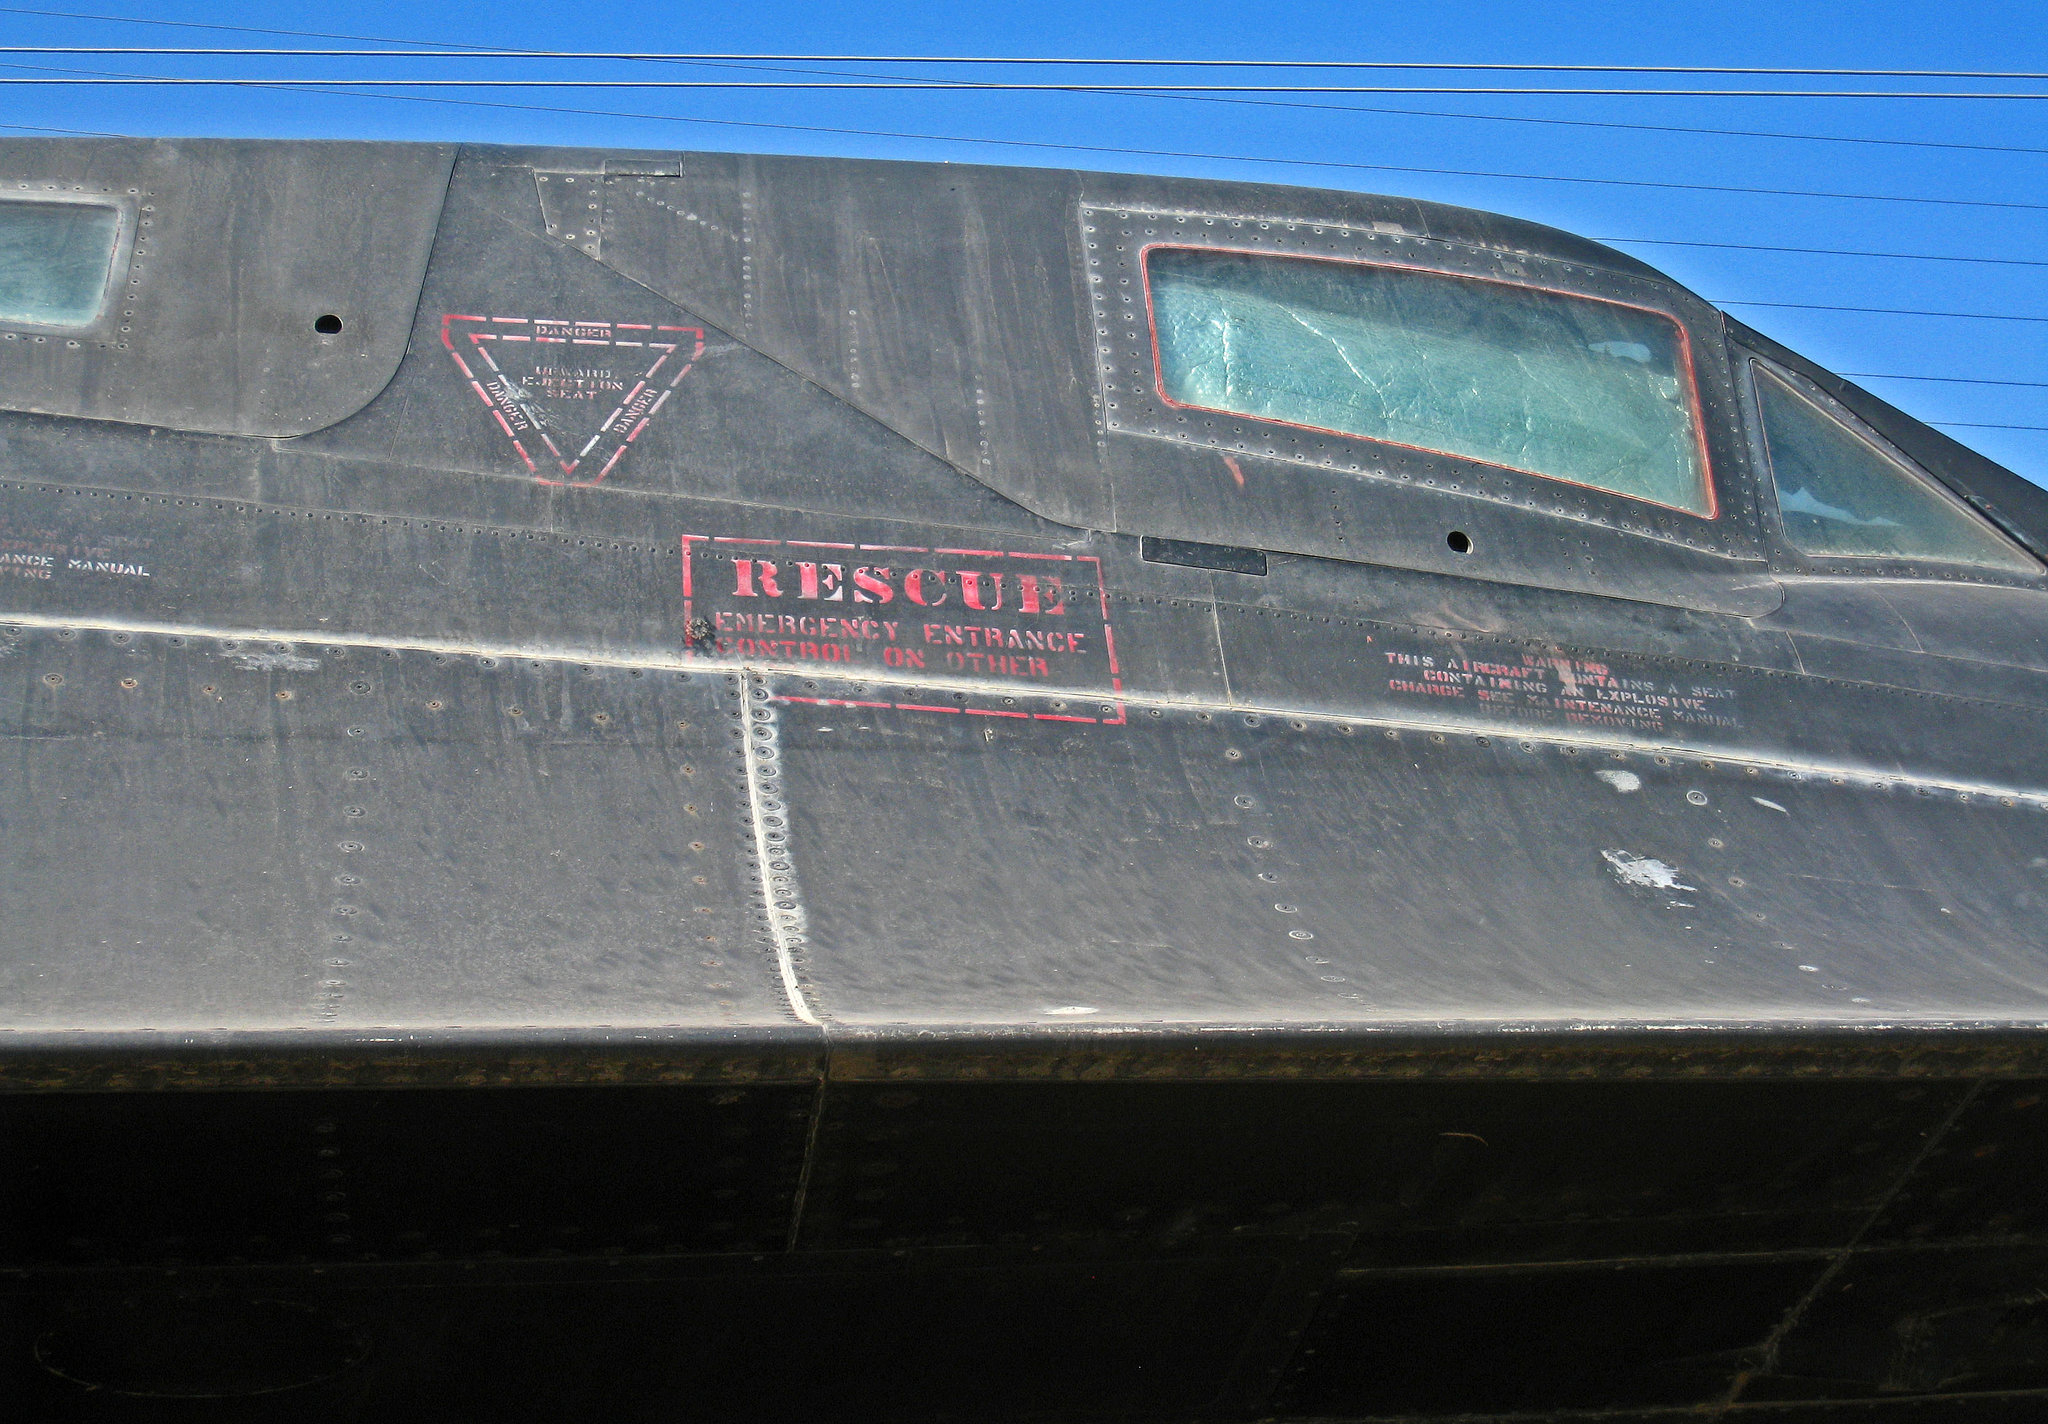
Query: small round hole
(327,325)
(1459,541)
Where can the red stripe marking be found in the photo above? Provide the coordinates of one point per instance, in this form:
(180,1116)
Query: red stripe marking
(992,712)
(977,553)
(919,707)
(1058,717)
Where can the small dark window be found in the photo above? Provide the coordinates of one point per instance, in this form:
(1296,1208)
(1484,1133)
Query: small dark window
(55,261)
(1570,388)
(1840,495)
(328,325)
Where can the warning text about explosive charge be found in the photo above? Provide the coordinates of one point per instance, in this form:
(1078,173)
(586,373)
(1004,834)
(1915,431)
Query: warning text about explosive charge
(1553,688)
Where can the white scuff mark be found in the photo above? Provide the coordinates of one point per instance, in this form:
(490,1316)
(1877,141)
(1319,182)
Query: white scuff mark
(1622,781)
(1809,969)
(766,814)
(1770,805)
(275,662)
(1072,1010)
(1646,871)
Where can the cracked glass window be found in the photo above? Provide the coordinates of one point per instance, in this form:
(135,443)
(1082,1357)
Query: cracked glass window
(55,259)
(1840,496)
(1569,388)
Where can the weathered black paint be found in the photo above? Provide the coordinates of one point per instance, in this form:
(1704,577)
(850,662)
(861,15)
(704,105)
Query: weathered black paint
(459,963)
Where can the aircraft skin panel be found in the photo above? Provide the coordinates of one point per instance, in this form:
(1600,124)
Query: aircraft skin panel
(222,245)
(696,776)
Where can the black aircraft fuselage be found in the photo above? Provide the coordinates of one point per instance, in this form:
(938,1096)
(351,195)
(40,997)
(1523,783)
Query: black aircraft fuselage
(647,786)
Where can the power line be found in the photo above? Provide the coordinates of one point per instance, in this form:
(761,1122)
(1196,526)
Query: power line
(315,86)
(46,129)
(1608,124)
(1881,311)
(443,50)
(1948,380)
(1824,251)
(1329,108)
(1056,61)
(1007,86)
(1980,425)
(202,25)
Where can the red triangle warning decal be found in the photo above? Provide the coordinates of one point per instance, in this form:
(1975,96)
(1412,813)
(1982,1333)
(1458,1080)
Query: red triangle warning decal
(571,396)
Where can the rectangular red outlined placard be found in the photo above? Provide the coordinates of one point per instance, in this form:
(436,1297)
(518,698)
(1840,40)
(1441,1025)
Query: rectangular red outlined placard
(1005,619)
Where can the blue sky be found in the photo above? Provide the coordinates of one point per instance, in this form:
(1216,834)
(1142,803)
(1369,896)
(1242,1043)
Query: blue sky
(1995,203)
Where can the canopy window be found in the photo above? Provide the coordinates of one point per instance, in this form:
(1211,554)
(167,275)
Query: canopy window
(1591,392)
(55,261)
(1841,496)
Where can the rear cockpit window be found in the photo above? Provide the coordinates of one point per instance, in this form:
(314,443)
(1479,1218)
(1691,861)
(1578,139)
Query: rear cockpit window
(55,260)
(1841,496)
(1570,388)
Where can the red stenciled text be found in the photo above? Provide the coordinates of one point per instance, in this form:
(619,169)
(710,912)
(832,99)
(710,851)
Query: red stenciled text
(975,590)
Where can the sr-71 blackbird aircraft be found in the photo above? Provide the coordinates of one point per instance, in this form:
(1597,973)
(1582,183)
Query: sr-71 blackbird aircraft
(647,786)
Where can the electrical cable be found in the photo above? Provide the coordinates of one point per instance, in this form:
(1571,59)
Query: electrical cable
(1056,61)
(1979,425)
(313,86)
(1331,108)
(1950,380)
(1005,86)
(1822,251)
(1880,311)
